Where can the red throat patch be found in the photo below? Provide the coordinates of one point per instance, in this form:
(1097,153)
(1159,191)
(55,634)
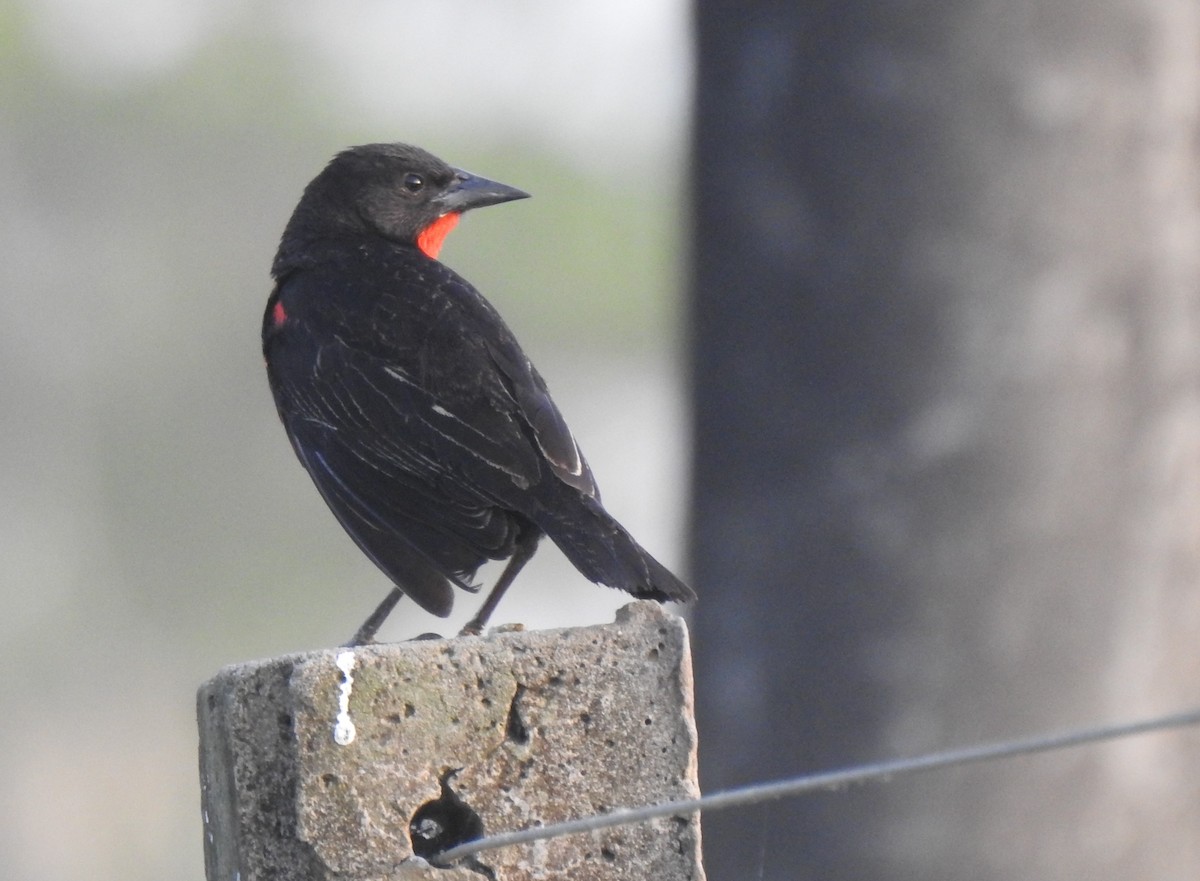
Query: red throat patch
(433,236)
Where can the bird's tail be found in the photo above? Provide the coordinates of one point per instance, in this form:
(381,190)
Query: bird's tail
(604,551)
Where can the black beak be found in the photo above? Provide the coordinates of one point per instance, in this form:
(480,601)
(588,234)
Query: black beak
(469,191)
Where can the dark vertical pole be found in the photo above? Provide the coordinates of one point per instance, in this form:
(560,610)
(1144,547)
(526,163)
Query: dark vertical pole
(813,345)
(945,346)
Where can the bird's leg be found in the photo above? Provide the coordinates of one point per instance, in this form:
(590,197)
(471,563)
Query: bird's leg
(365,635)
(525,547)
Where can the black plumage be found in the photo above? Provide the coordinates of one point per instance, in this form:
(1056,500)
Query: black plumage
(427,430)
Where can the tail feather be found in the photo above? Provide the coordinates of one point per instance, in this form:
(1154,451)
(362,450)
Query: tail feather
(666,586)
(604,551)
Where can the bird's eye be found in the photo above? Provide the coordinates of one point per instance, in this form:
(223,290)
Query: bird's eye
(413,182)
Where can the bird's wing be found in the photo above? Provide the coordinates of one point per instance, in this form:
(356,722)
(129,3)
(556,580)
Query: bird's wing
(538,411)
(418,415)
(471,363)
(403,463)
(374,533)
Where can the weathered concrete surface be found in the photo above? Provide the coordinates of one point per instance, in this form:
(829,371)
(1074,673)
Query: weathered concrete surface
(526,728)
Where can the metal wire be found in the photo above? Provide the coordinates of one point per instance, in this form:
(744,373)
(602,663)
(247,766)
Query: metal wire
(827,780)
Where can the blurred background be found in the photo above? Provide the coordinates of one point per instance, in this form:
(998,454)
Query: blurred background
(913,288)
(155,524)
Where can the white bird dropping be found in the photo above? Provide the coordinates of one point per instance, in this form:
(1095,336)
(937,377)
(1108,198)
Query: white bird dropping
(344,731)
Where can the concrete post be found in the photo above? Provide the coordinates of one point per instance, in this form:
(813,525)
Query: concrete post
(354,764)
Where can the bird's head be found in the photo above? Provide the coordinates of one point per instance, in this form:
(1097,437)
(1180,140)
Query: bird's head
(395,190)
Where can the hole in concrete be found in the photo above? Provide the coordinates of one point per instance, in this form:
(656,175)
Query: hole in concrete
(515,729)
(443,823)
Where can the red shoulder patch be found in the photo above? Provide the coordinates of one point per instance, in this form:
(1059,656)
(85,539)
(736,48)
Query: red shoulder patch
(278,314)
(433,236)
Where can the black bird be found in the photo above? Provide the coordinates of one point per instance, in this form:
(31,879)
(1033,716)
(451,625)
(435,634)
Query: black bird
(427,430)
